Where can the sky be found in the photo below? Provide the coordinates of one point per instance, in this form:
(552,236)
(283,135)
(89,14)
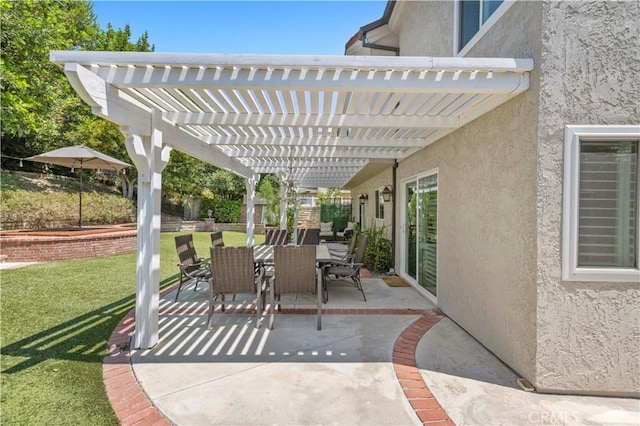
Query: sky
(246,27)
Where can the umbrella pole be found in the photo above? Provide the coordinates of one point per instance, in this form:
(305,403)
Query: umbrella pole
(80,217)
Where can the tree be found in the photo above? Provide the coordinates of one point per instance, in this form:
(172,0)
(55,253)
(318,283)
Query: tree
(224,184)
(39,106)
(102,134)
(40,110)
(186,177)
(183,175)
(119,41)
(329,195)
(269,191)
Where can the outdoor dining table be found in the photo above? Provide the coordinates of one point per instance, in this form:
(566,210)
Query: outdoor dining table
(263,254)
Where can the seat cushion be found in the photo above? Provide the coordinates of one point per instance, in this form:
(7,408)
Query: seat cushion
(326,227)
(341,271)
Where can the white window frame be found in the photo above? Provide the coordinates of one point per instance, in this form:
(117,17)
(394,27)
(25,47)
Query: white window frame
(484,27)
(571,199)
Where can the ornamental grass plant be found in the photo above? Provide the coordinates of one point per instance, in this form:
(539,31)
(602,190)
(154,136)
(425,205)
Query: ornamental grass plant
(378,255)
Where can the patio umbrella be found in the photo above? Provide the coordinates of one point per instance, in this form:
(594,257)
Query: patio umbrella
(80,157)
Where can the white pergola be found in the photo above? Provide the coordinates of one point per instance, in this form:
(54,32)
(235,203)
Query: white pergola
(315,121)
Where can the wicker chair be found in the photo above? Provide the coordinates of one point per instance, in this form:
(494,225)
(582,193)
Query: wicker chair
(295,273)
(191,266)
(233,273)
(216,239)
(345,254)
(341,269)
(276,237)
(308,237)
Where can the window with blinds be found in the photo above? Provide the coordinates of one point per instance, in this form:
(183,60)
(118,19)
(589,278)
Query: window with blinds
(600,209)
(608,204)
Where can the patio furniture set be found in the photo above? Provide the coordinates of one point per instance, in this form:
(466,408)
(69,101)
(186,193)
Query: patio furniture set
(328,232)
(270,270)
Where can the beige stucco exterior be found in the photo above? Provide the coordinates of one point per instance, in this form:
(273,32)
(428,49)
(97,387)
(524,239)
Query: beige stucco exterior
(415,38)
(500,192)
(588,333)
(369,188)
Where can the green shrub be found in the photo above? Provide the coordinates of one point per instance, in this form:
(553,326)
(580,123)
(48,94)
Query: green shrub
(224,210)
(107,209)
(37,209)
(378,256)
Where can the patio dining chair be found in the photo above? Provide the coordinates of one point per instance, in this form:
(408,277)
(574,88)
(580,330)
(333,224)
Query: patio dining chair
(216,239)
(192,267)
(341,269)
(276,237)
(295,273)
(308,237)
(233,273)
(345,254)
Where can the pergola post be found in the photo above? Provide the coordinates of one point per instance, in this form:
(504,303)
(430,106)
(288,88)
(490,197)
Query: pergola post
(251,200)
(295,215)
(150,158)
(283,204)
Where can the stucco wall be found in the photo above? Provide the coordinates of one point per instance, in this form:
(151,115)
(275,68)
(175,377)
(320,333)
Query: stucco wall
(588,333)
(424,28)
(369,188)
(486,192)
(500,192)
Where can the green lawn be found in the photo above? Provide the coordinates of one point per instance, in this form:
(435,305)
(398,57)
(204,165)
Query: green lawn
(55,322)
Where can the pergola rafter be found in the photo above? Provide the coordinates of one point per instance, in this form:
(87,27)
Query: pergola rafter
(240,151)
(317,141)
(286,120)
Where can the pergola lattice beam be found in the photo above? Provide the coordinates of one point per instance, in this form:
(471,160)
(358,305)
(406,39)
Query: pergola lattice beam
(253,113)
(260,163)
(313,141)
(318,170)
(378,81)
(317,183)
(310,152)
(155,59)
(312,120)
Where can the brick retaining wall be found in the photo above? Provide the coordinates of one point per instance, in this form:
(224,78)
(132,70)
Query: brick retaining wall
(22,247)
(200,226)
(18,248)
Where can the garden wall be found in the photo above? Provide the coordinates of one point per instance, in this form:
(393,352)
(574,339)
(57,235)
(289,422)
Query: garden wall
(30,247)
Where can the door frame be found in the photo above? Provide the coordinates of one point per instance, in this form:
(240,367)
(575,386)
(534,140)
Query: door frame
(403,235)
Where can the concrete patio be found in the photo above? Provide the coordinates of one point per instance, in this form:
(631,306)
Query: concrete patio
(356,371)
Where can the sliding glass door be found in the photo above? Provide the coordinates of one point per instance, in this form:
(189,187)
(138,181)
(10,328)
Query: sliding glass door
(411,228)
(421,232)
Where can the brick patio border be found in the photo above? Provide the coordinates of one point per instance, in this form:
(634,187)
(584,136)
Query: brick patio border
(425,405)
(132,406)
